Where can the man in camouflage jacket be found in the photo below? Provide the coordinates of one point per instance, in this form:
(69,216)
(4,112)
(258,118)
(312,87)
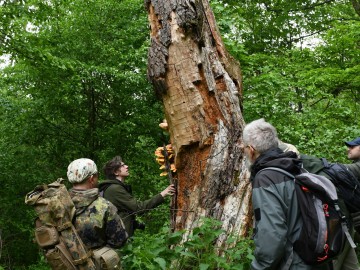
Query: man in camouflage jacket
(96,219)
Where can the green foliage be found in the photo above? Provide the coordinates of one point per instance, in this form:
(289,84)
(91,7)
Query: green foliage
(76,87)
(184,250)
(302,79)
(40,265)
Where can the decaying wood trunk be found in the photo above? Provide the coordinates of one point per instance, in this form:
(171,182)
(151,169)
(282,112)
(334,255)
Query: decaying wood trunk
(200,85)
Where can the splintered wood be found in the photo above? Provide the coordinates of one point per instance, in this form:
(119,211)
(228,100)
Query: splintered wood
(200,86)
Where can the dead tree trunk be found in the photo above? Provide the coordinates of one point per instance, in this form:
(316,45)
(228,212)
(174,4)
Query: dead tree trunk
(200,85)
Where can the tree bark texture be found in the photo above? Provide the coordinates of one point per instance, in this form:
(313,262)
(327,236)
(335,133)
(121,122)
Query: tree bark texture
(200,86)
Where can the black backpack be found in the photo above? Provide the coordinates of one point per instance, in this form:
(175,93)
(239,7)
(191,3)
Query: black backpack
(348,186)
(324,231)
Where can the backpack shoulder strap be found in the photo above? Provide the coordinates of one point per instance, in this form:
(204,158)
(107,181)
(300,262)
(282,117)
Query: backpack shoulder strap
(103,189)
(325,162)
(278,170)
(311,163)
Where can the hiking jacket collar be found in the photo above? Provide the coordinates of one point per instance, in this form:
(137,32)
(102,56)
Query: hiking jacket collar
(275,157)
(106,183)
(83,198)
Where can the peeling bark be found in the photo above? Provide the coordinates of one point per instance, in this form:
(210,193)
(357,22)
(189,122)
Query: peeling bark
(200,86)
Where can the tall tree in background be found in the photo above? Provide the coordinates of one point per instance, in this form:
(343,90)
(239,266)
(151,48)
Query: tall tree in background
(76,87)
(356,5)
(300,61)
(200,86)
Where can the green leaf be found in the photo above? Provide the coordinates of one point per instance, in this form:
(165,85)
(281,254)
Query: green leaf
(161,262)
(188,254)
(203,266)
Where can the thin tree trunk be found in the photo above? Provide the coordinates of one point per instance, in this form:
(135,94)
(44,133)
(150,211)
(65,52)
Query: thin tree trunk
(200,86)
(356,6)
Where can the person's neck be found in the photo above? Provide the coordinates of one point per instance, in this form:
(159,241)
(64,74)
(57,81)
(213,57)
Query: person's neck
(120,179)
(82,187)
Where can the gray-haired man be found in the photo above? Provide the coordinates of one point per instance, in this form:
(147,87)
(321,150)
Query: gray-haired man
(277,215)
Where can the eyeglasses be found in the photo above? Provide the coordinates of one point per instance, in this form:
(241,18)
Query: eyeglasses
(122,164)
(249,146)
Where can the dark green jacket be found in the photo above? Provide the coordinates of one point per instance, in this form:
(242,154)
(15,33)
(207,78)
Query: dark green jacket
(354,168)
(120,195)
(313,165)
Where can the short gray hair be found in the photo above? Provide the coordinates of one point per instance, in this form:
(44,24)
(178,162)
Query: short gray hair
(261,135)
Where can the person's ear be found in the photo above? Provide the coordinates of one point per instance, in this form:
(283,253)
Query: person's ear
(252,153)
(92,180)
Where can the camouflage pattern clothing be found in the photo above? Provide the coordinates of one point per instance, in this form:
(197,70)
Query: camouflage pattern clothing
(96,220)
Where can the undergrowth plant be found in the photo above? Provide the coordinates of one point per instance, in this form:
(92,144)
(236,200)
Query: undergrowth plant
(181,250)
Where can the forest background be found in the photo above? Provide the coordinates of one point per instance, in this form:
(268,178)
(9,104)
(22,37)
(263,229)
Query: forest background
(73,84)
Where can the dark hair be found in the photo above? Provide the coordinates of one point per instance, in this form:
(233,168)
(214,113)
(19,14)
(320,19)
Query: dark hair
(111,167)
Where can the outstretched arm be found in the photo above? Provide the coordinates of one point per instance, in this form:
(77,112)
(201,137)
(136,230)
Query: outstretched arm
(169,191)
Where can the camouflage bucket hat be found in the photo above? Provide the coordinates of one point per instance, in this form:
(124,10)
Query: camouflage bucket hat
(80,169)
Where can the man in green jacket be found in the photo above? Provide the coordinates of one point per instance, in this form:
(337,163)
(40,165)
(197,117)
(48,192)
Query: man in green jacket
(348,259)
(119,193)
